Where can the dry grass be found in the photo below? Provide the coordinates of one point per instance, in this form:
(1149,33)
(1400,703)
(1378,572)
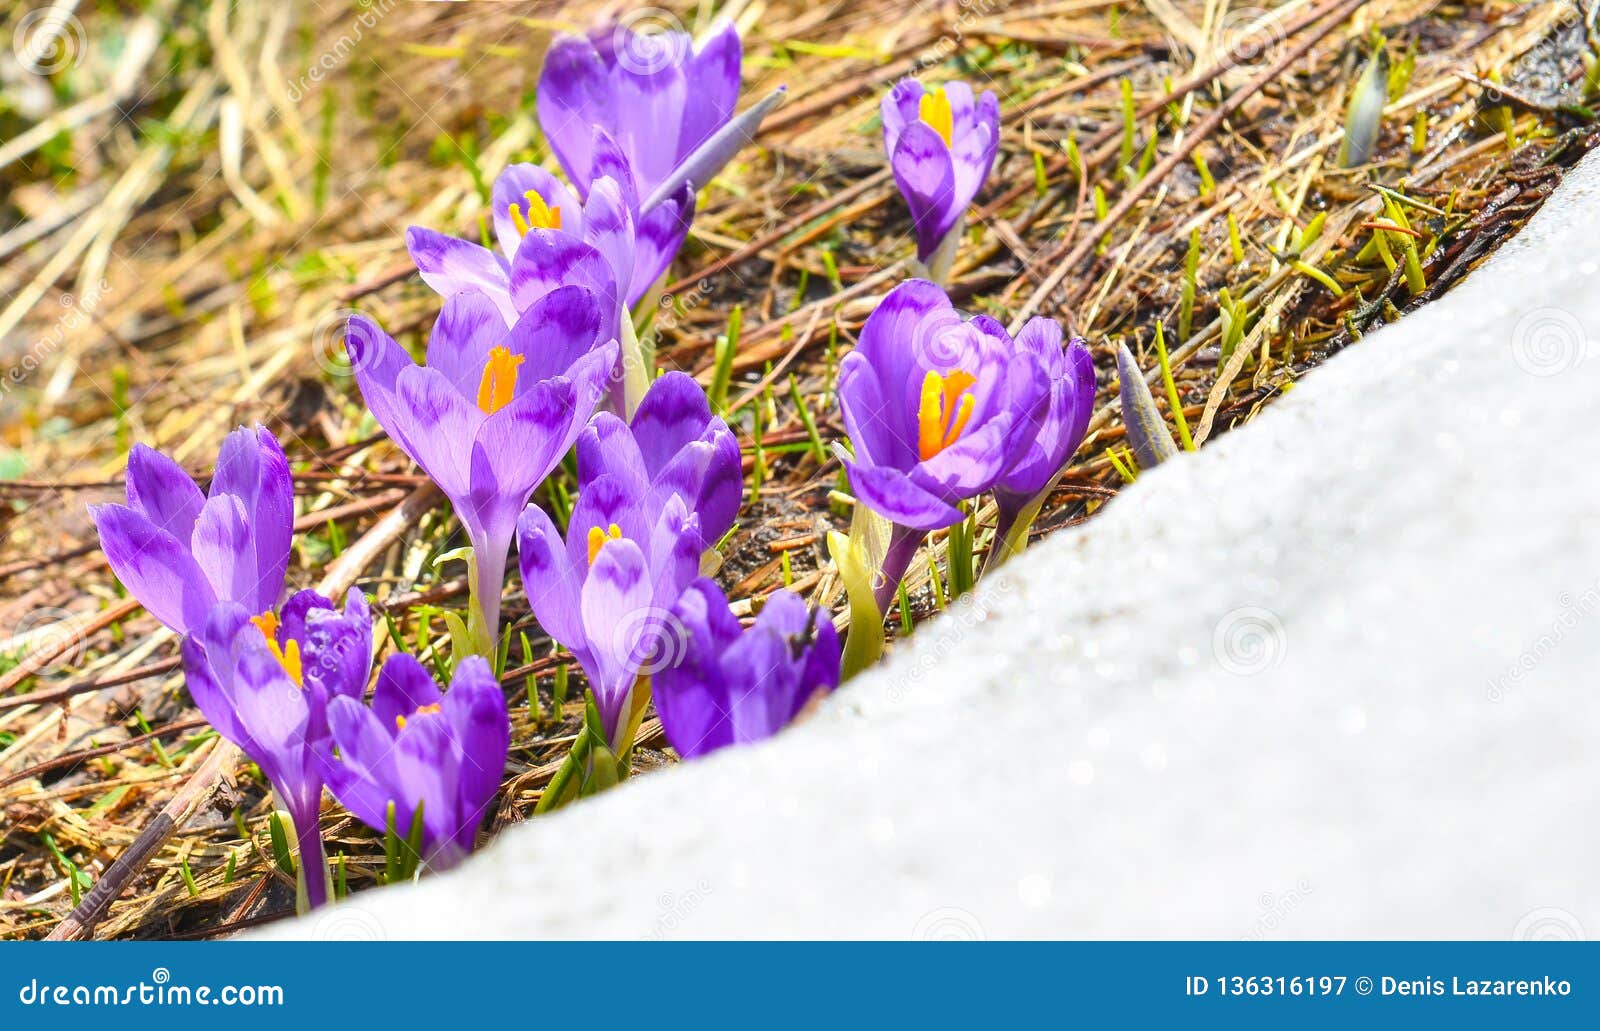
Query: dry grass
(189,213)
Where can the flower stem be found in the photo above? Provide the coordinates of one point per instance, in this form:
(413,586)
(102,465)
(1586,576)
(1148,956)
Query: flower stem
(486,577)
(1012,523)
(311,877)
(903,544)
(635,369)
(944,257)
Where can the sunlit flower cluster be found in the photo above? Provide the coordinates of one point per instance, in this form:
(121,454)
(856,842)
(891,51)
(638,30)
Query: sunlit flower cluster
(534,355)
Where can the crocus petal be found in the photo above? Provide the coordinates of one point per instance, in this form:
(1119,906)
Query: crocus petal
(713,83)
(154,567)
(162,492)
(607,445)
(651,94)
(469,326)
(512,186)
(659,234)
(251,466)
(273,710)
(551,581)
(925,173)
(226,555)
(208,662)
(892,494)
(574,96)
(450,265)
(361,777)
(475,707)
(616,607)
(442,425)
(548,260)
(404,686)
(557,330)
(608,228)
(900,107)
(336,653)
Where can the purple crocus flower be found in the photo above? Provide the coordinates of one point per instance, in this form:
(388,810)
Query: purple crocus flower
(733,686)
(548,239)
(1070,373)
(672,445)
(605,592)
(941,144)
(265,683)
(180,552)
(938,409)
(416,744)
(661,97)
(492,412)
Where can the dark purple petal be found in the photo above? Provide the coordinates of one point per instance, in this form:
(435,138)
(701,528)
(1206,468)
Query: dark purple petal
(574,97)
(609,161)
(713,80)
(608,228)
(892,494)
(162,492)
(208,662)
(404,686)
(155,567)
(925,173)
(361,776)
(880,430)
(549,260)
(672,413)
(608,447)
(336,648)
(556,330)
(659,234)
(476,709)
(900,107)
(273,711)
(651,95)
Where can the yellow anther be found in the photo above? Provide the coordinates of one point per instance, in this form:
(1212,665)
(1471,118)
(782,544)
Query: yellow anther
(539,214)
(943,411)
(499,381)
(422,710)
(288,656)
(598,538)
(934,109)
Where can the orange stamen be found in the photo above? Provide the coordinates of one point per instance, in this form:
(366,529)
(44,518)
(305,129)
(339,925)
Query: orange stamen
(499,381)
(539,215)
(423,710)
(945,407)
(288,655)
(598,538)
